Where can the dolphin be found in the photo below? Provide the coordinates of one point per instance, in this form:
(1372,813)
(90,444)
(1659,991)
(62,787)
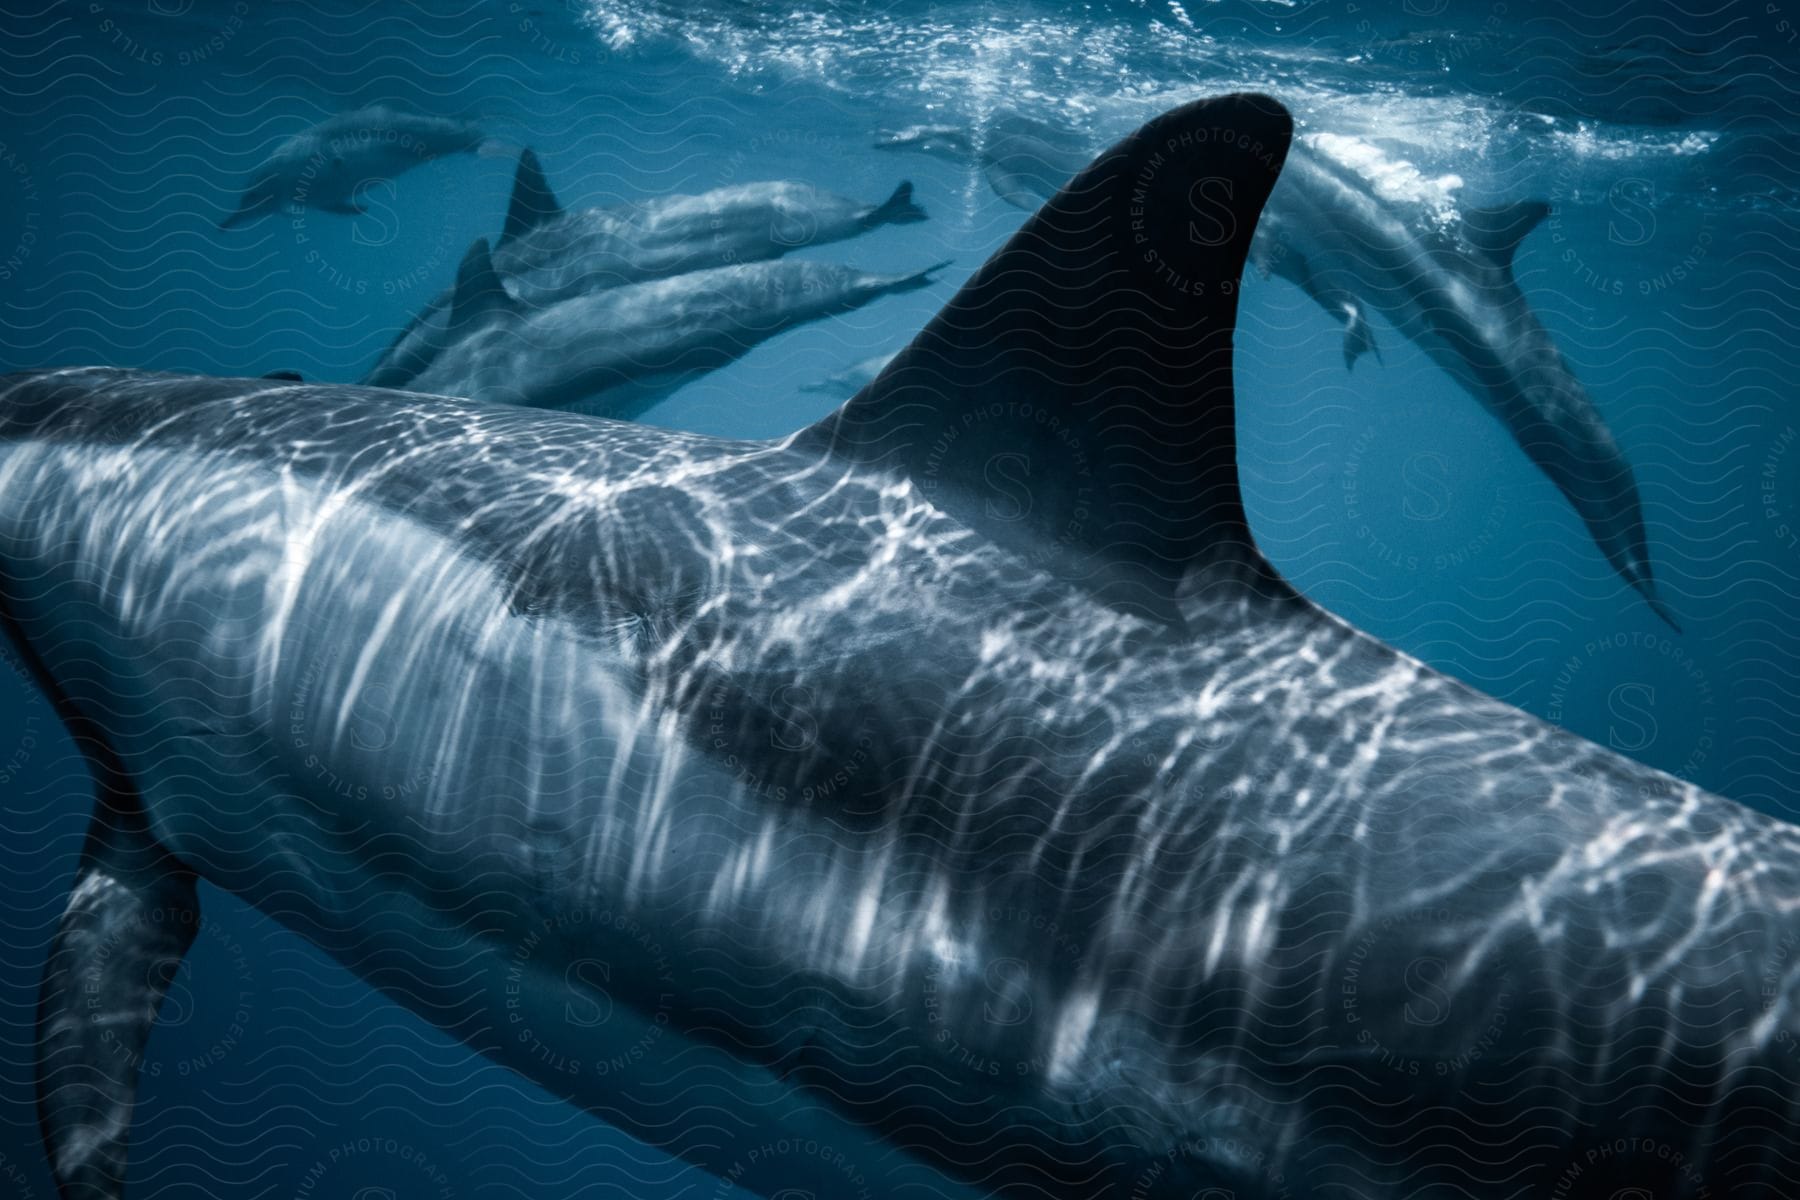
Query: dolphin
(325,166)
(547,254)
(617,352)
(948,795)
(852,379)
(1448,288)
(1024,160)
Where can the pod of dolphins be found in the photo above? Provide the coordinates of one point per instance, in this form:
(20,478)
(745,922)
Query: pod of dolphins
(536,321)
(1106,857)
(714,253)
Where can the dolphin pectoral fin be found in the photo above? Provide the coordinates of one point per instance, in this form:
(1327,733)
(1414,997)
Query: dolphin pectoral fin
(130,919)
(533,203)
(1359,338)
(1073,400)
(1495,232)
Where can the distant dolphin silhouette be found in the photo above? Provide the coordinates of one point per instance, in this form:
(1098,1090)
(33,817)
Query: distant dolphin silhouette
(947,799)
(1024,160)
(852,379)
(548,254)
(1451,291)
(325,167)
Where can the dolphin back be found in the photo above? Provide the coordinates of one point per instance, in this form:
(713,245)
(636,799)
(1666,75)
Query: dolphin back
(1091,360)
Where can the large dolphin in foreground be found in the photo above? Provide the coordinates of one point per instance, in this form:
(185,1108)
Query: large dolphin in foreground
(1450,290)
(617,352)
(326,166)
(547,254)
(950,791)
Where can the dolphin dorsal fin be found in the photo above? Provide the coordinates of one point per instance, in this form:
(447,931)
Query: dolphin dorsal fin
(478,289)
(532,203)
(1495,232)
(1074,399)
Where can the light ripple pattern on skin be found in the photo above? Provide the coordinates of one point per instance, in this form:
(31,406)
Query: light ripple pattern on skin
(925,829)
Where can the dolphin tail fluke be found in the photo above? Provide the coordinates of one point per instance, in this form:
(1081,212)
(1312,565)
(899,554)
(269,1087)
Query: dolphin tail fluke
(920,278)
(897,209)
(533,203)
(1076,392)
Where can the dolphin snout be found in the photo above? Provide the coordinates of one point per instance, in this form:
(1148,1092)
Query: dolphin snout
(253,204)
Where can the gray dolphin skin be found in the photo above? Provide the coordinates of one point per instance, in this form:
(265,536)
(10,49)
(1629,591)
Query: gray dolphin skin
(617,352)
(947,799)
(1449,290)
(547,254)
(324,167)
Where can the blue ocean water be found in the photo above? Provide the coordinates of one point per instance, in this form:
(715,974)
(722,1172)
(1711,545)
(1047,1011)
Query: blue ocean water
(1662,136)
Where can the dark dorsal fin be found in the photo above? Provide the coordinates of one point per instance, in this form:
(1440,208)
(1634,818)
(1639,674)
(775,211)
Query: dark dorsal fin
(1496,232)
(290,376)
(532,203)
(1074,400)
(478,290)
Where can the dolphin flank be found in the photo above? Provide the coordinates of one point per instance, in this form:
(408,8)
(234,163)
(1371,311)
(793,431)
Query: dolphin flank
(1329,231)
(327,166)
(547,254)
(616,352)
(950,787)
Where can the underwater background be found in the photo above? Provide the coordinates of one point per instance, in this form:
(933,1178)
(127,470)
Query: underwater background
(1664,136)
